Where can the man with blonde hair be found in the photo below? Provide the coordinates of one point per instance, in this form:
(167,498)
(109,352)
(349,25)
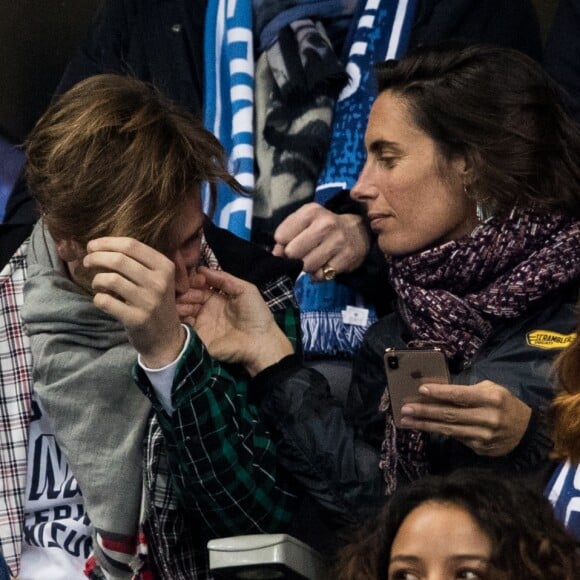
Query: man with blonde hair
(117,173)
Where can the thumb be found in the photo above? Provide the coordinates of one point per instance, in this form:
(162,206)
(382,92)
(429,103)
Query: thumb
(278,250)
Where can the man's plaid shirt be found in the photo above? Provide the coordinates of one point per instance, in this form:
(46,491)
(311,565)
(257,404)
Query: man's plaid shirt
(218,454)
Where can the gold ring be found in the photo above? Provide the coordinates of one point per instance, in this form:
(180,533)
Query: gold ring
(329,273)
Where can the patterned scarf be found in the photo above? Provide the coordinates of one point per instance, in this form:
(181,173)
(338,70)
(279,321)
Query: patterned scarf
(452,296)
(297,81)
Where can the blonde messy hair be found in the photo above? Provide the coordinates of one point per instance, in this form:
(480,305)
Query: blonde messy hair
(114,157)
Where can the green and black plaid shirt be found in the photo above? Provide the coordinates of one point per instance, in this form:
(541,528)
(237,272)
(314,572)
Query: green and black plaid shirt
(221,458)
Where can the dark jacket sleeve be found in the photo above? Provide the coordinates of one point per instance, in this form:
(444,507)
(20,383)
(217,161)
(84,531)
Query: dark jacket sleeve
(324,451)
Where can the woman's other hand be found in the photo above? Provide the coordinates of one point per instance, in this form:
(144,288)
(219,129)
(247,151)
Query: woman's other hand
(486,416)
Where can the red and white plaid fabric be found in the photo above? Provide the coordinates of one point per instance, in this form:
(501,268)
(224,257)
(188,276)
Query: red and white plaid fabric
(15,408)
(15,415)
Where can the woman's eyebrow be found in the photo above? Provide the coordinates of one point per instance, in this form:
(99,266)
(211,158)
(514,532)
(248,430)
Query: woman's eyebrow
(406,558)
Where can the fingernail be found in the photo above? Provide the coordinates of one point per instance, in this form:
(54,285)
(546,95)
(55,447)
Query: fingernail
(407,410)
(405,421)
(424,390)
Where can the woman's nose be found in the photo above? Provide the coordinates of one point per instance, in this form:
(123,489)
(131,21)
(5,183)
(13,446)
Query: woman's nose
(363,188)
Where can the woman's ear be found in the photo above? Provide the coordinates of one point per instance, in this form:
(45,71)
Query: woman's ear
(467,169)
(69,250)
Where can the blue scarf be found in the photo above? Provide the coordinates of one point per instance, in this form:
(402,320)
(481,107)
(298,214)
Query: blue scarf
(229,101)
(380,30)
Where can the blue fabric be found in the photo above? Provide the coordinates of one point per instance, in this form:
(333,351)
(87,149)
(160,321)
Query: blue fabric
(380,30)
(292,10)
(563,491)
(380,34)
(11,160)
(4,572)
(229,85)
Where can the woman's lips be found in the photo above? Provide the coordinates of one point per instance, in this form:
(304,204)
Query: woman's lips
(376,220)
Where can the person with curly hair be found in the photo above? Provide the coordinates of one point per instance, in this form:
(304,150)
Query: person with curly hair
(563,488)
(470,524)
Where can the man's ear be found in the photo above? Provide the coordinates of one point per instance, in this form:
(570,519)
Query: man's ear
(69,250)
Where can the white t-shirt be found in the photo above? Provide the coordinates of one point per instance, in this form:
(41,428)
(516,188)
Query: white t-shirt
(57,533)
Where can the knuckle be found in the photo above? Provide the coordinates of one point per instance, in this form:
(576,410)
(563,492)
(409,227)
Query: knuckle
(168,267)
(130,245)
(140,318)
(292,252)
(456,397)
(497,397)
(103,280)
(326,223)
(102,300)
(311,208)
(449,417)
(159,286)
(494,422)
(446,430)
(117,261)
(487,438)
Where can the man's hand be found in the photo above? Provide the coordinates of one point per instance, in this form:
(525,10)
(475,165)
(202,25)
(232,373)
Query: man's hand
(135,284)
(321,238)
(234,322)
(486,417)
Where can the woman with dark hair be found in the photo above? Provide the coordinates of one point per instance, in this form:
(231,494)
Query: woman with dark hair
(470,524)
(454,135)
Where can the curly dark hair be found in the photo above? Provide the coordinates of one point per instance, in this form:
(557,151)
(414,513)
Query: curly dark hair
(500,110)
(528,542)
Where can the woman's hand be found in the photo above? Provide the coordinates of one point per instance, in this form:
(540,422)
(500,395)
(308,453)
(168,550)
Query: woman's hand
(486,416)
(322,238)
(233,321)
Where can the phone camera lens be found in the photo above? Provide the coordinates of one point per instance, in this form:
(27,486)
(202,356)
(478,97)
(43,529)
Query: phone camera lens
(393,362)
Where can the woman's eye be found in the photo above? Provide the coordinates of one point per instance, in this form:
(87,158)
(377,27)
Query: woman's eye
(388,162)
(469,575)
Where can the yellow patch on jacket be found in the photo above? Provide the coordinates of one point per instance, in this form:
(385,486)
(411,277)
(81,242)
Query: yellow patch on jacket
(548,339)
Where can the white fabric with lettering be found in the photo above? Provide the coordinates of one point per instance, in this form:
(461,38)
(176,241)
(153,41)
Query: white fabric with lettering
(57,533)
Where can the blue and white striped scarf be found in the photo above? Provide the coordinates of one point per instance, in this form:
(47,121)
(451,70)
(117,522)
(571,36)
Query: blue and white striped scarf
(229,101)
(380,30)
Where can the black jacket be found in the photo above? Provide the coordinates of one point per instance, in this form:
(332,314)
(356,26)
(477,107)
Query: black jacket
(334,452)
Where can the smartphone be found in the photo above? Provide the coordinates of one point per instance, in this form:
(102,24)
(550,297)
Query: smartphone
(407,370)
